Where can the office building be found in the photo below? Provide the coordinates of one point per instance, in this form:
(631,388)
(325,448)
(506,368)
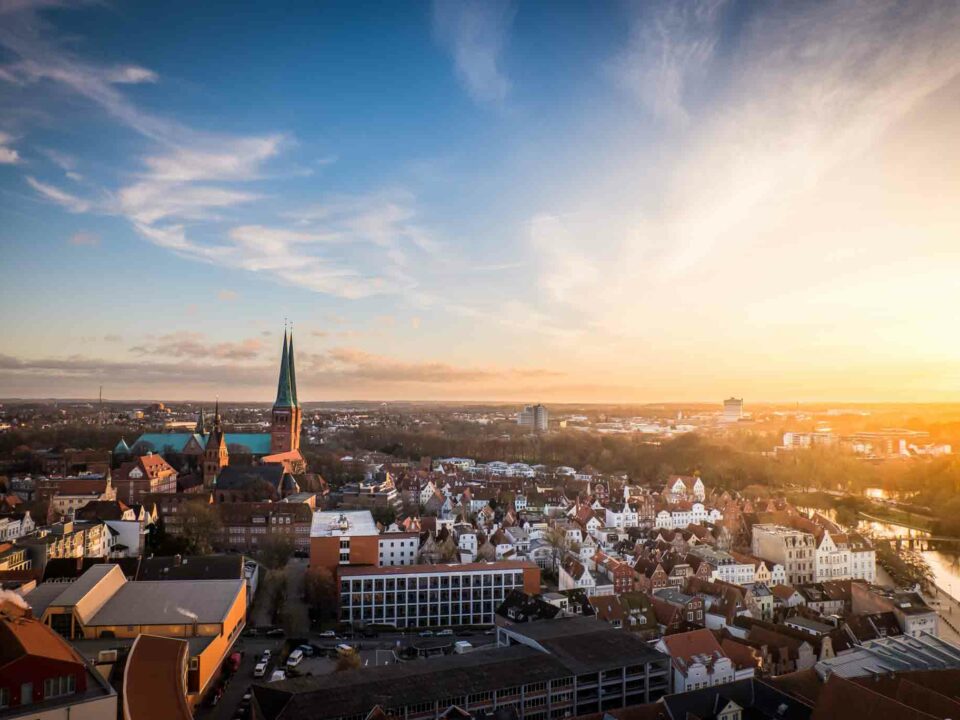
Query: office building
(432,595)
(732,410)
(534,417)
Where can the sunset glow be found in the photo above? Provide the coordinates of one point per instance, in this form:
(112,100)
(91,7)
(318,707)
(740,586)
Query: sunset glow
(558,202)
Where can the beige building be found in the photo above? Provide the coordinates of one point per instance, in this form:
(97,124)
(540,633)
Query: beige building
(794,549)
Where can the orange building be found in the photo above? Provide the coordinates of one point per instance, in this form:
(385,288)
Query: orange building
(344,538)
(103,604)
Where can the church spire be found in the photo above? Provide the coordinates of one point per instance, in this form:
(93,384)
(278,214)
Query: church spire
(285,392)
(201,427)
(293,371)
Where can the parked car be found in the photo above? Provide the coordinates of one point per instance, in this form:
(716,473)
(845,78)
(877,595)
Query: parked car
(295,658)
(260,669)
(276,632)
(277,676)
(445,633)
(233,662)
(307,650)
(328,634)
(265,656)
(426,633)
(344,648)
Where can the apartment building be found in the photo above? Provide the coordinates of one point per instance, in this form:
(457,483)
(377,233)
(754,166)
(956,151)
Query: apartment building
(15,525)
(794,549)
(71,539)
(431,595)
(146,474)
(725,566)
(397,548)
(247,525)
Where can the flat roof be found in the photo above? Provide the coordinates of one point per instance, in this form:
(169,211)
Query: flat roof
(92,647)
(364,570)
(169,602)
(346,523)
(445,678)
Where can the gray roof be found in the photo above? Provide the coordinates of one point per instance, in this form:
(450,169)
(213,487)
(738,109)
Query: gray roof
(92,647)
(42,596)
(892,654)
(75,591)
(168,602)
(443,678)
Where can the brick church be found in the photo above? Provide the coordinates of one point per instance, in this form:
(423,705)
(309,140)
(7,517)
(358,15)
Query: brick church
(208,451)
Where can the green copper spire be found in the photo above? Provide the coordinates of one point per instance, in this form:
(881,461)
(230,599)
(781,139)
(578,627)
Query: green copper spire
(293,373)
(284,393)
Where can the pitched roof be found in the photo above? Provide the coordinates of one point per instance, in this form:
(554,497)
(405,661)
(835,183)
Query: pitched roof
(21,634)
(153,679)
(683,647)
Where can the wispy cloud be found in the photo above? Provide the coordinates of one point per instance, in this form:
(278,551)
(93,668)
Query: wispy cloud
(474,33)
(8,156)
(671,43)
(196,345)
(227,295)
(60,197)
(806,90)
(85,239)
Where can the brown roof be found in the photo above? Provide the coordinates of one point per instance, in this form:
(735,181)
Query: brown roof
(153,680)
(153,465)
(21,634)
(80,487)
(683,646)
(841,698)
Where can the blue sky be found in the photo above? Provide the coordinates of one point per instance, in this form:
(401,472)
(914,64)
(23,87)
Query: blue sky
(465,200)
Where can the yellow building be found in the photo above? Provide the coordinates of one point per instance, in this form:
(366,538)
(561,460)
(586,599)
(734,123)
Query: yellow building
(103,604)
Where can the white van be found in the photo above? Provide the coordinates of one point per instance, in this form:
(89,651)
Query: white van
(294,658)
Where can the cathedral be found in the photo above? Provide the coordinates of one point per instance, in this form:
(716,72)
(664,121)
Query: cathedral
(207,451)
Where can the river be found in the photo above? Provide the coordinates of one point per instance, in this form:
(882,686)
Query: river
(944,564)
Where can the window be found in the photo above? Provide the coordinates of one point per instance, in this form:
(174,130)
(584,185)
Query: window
(4,697)
(58,686)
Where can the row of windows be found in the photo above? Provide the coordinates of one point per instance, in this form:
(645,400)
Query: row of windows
(453,581)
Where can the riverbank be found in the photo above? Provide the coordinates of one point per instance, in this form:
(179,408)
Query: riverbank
(925,528)
(947,607)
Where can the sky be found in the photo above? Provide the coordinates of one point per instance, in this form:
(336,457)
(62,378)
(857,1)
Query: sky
(459,200)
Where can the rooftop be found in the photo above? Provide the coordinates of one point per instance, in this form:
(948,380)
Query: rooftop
(343,523)
(364,570)
(154,679)
(893,654)
(170,603)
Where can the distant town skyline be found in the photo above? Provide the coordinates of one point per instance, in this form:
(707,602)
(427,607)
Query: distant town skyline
(481,201)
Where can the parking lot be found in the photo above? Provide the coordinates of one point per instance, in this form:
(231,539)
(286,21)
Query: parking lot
(379,650)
